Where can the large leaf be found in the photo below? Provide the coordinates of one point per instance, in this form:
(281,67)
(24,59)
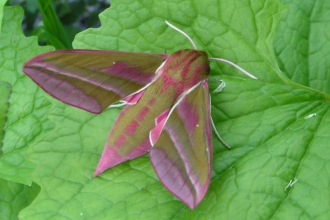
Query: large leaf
(2,3)
(264,121)
(26,117)
(15,119)
(302,43)
(5,90)
(14,197)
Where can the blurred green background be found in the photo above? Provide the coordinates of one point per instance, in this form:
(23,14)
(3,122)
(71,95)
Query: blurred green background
(56,22)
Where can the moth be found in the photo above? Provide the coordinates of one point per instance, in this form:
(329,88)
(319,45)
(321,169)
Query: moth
(167,110)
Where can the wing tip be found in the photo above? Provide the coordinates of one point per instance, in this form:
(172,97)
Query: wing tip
(98,171)
(177,186)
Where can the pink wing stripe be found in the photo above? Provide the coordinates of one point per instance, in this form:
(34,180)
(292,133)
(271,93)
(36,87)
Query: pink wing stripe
(65,91)
(124,71)
(163,116)
(134,98)
(156,131)
(111,158)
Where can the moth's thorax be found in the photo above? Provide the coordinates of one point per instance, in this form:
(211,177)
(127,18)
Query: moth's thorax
(187,66)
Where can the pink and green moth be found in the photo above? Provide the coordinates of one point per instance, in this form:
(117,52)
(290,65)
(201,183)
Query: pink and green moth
(167,110)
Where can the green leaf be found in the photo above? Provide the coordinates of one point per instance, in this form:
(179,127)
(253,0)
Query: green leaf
(2,3)
(14,197)
(26,117)
(278,129)
(302,43)
(5,90)
(52,29)
(275,137)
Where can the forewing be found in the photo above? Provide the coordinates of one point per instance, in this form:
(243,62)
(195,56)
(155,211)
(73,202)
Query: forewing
(92,79)
(182,155)
(129,137)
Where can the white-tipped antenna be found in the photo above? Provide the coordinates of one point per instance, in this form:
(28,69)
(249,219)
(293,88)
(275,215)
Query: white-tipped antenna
(181,32)
(236,66)
(217,59)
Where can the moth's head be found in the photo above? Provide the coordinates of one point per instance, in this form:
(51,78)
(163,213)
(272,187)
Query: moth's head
(188,65)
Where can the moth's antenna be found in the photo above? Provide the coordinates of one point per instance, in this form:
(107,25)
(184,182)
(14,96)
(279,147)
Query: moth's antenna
(236,66)
(181,32)
(217,59)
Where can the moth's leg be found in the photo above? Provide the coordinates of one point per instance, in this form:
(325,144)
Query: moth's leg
(218,135)
(219,89)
